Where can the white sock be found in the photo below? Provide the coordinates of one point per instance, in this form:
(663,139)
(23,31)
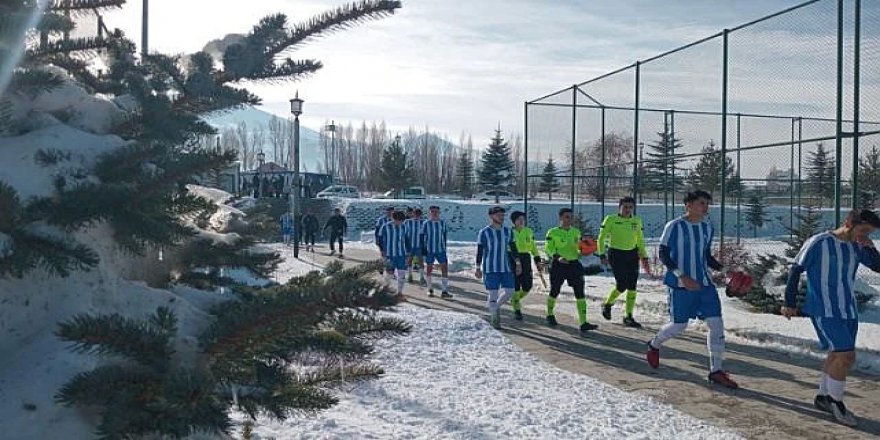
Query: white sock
(401,280)
(430,279)
(823,384)
(492,301)
(502,300)
(445,282)
(422,273)
(715,342)
(836,388)
(667,332)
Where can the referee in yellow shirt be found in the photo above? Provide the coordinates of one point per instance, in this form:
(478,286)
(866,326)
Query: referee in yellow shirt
(622,237)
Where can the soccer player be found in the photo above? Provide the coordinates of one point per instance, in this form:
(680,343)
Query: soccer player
(394,247)
(622,244)
(338,228)
(525,244)
(831,260)
(433,244)
(686,251)
(310,227)
(286,221)
(381,221)
(495,248)
(563,250)
(414,261)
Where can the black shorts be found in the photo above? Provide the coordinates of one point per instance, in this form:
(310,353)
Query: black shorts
(523,281)
(571,273)
(625,265)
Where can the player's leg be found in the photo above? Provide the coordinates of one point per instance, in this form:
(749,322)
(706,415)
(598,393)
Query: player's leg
(557,277)
(617,289)
(682,306)
(838,336)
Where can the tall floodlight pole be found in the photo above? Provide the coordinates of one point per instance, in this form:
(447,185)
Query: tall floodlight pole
(145,27)
(331,127)
(296,106)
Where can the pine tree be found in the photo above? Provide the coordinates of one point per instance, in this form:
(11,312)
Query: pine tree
(706,174)
(820,173)
(808,225)
(465,174)
(756,214)
(549,182)
(496,171)
(248,354)
(869,178)
(397,168)
(660,169)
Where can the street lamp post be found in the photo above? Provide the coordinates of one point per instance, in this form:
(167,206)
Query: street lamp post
(331,127)
(296,106)
(261,157)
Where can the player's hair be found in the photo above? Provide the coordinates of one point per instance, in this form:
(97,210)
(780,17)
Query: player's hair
(692,196)
(863,217)
(398,215)
(626,199)
(565,211)
(515,215)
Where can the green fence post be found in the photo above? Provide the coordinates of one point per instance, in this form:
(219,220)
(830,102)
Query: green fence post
(739,189)
(724,36)
(602,182)
(636,133)
(526,161)
(857,43)
(838,188)
(574,98)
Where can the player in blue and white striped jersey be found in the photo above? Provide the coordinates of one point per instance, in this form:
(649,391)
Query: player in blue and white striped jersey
(433,244)
(415,259)
(394,247)
(381,221)
(831,260)
(686,251)
(495,250)
(286,221)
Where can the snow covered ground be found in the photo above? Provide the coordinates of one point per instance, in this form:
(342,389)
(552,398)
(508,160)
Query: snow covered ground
(454,377)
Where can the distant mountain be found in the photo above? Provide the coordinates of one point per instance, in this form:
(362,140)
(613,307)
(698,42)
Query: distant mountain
(311,155)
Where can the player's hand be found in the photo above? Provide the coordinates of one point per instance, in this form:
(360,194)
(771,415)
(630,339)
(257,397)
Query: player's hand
(689,283)
(518,268)
(603,260)
(865,241)
(788,312)
(562,260)
(478,273)
(540,267)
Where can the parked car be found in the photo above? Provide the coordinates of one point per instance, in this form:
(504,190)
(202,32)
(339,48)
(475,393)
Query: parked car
(413,192)
(487,196)
(346,191)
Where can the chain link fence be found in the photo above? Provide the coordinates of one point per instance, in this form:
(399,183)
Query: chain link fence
(776,118)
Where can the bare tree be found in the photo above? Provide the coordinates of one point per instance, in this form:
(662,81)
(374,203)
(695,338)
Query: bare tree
(277,139)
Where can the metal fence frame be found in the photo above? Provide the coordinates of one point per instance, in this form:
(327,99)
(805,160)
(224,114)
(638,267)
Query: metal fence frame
(796,142)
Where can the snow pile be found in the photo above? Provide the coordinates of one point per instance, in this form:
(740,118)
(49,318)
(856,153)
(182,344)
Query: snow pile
(19,168)
(456,377)
(36,362)
(69,103)
(227,218)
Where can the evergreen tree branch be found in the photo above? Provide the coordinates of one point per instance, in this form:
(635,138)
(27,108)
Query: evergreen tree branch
(343,17)
(144,342)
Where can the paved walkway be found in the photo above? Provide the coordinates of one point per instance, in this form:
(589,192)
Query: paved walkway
(777,388)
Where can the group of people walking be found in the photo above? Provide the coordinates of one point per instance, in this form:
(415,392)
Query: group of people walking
(507,258)
(309,227)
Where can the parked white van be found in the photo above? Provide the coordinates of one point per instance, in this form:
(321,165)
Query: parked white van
(346,191)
